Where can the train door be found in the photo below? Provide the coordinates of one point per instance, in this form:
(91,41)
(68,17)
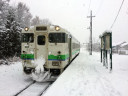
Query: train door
(70,49)
(41,45)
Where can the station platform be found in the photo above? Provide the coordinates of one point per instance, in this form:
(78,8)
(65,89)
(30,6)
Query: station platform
(86,76)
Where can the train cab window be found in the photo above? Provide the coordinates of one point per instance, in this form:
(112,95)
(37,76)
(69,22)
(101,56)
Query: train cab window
(57,37)
(27,37)
(41,40)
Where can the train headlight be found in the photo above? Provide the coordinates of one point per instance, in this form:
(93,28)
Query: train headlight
(57,28)
(26,28)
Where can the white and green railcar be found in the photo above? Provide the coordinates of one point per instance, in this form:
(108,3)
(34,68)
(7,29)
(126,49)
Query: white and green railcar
(53,43)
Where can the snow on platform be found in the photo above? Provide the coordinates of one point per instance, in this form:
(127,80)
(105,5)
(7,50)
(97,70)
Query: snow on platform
(87,77)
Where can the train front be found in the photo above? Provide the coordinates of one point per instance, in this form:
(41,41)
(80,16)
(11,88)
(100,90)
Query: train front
(34,53)
(47,43)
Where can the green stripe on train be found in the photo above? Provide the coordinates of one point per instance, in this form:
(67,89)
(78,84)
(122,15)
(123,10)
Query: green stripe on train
(74,52)
(27,56)
(58,57)
(61,57)
(31,56)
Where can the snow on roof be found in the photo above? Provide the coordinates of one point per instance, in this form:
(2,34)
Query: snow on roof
(108,31)
(124,44)
(119,43)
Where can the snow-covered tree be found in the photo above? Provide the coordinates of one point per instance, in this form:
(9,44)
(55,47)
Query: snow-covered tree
(12,19)
(4,4)
(3,12)
(12,35)
(23,15)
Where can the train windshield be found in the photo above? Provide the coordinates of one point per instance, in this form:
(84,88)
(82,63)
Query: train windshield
(28,37)
(57,37)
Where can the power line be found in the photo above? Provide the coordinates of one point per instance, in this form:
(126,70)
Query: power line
(99,8)
(117,14)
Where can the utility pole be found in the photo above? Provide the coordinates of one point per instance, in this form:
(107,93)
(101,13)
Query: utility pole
(90,41)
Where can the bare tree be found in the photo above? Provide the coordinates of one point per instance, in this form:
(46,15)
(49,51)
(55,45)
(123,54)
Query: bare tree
(35,21)
(45,22)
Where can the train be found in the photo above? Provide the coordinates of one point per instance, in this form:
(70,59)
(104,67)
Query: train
(52,42)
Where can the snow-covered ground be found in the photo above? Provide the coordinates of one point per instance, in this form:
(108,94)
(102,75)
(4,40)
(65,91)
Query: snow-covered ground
(84,77)
(12,79)
(87,77)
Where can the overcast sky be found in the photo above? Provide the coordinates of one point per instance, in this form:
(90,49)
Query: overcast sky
(72,15)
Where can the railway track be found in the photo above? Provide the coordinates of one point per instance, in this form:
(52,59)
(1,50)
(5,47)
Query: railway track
(24,88)
(34,89)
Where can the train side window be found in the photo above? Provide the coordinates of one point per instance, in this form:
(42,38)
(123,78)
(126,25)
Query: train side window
(41,40)
(27,37)
(57,38)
